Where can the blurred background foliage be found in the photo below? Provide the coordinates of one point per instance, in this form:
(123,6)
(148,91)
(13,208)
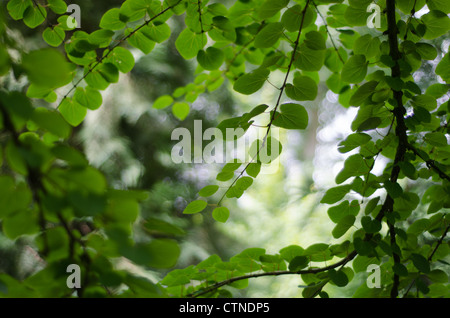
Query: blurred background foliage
(130,142)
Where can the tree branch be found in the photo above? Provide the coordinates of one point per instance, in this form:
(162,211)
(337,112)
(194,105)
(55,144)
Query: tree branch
(276,105)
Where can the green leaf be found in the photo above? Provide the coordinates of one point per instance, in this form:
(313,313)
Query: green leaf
(140,41)
(441,5)
(195,207)
(343,226)
(426,51)
(72,112)
(162,253)
(51,121)
(180,110)
(158,33)
(367,45)
(102,76)
(338,277)
(111,20)
(436,139)
(253,169)
(290,252)
(88,97)
(400,269)
(298,263)
(335,194)
(443,68)
(292,18)
(269,35)
(420,262)
(189,43)
(355,69)
(16,8)
(54,36)
(437,23)
(211,59)
(369,124)
(221,214)
(309,60)
(370,225)
(393,189)
(354,166)
(271,7)
(208,190)
(122,59)
(163,102)
(353,141)
(47,68)
(304,88)
(407,5)
(356,16)
(34,16)
(250,83)
(20,223)
(363,93)
(315,40)
(291,116)
(57,6)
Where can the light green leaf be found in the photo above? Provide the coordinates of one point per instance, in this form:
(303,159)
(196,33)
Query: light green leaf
(34,16)
(140,41)
(195,207)
(180,110)
(208,190)
(72,112)
(16,8)
(353,141)
(57,6)
(335,194)
(111,20)
(122,59)
(163,102)
(221,214)
(189,43)
(88,97)
(211,59)
(441,5)
(437,23)
(47,68)
(443,68)
(53,37)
